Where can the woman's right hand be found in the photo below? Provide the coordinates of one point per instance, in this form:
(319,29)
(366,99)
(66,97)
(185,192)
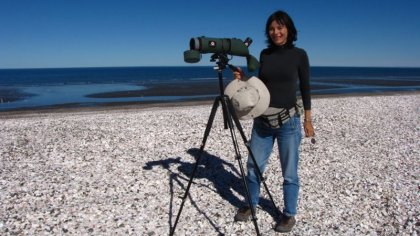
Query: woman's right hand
(238,73)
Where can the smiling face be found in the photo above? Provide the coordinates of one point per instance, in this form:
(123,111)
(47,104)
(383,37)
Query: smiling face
(278,33)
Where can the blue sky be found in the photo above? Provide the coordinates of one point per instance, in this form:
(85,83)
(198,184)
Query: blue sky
(98,33)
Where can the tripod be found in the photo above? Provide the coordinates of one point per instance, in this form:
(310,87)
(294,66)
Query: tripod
(230,120)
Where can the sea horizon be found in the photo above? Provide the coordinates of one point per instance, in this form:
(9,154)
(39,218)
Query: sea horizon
(192,65)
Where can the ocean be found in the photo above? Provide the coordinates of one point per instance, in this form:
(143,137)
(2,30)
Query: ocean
(81,87)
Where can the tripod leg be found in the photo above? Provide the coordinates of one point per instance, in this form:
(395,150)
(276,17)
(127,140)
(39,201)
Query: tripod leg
(198,157)
(225,102)
(247,144)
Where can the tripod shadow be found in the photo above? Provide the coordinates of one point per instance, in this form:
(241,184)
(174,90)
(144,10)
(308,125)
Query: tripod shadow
(224,176)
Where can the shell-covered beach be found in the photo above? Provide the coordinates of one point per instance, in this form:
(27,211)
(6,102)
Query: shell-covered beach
(123,171)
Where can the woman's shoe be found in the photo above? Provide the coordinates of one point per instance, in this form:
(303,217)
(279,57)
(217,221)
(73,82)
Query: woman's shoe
(243,214)
(286,224)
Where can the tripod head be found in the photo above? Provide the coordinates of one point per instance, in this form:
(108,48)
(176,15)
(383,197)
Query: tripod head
(221,60)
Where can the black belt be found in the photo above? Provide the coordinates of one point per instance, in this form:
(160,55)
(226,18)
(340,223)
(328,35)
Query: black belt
(277,119)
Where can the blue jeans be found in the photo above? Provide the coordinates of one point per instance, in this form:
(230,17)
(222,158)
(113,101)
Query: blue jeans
(288,138)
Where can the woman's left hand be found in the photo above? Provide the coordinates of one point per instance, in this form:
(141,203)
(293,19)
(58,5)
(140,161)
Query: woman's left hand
(309,129)
(307,124)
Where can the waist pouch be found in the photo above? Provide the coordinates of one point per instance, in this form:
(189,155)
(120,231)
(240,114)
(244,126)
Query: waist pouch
(276,117)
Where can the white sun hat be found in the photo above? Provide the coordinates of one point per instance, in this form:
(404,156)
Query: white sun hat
(249,96)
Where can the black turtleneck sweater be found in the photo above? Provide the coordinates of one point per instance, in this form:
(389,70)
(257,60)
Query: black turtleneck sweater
(281,69)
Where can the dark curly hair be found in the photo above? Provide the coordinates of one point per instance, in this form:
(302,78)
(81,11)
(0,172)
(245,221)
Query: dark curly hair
(284,19)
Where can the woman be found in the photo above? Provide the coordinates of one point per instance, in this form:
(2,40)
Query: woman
(282,66)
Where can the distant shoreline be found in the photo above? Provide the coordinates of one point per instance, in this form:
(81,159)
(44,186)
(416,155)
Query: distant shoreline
(85,88)
(69,108)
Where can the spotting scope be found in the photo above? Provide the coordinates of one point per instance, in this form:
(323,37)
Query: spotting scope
(231,46)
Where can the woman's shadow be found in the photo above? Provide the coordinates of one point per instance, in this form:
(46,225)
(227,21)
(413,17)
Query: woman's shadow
(223,175)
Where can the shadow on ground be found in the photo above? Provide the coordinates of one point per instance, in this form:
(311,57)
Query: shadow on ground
(224,176)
